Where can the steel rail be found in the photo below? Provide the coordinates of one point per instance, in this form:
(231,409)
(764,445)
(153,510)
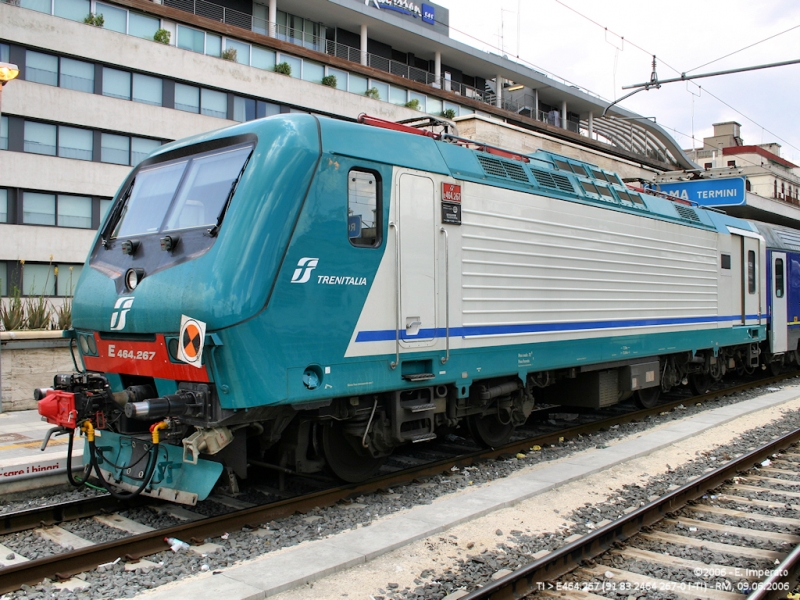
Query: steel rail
(64,565)
(71,510)
(534,577)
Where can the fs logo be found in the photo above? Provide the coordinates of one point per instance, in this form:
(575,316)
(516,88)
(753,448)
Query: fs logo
(303,271)
(121,308)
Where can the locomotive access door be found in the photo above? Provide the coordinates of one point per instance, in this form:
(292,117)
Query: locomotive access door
(751,277)
(416,217)
(777,324)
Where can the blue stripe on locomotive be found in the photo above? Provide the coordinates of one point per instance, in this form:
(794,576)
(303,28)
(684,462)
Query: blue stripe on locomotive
(290,203)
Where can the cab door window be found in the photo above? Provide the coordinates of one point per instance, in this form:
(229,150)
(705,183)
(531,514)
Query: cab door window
(363,208)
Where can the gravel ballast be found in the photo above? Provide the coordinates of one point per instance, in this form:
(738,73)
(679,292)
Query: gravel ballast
(512,547)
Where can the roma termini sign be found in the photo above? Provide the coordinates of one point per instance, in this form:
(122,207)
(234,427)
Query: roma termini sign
(708,192)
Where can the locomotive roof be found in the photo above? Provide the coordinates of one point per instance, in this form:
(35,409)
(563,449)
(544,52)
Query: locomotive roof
(544,173)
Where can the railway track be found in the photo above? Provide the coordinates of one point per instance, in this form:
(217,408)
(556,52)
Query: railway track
(136,541)
(717,537)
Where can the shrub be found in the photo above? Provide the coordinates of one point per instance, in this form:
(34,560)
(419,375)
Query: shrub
(329,80)
(39,312)
(283,68)
(229,54)
(93,19)
(373,93)
(12,316)
(64,315)
(449,113)
(413,104)
(162,36)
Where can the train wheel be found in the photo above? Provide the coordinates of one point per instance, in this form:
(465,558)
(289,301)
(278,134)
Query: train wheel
(700,383)
(345,456)
(489,431)
(647,398)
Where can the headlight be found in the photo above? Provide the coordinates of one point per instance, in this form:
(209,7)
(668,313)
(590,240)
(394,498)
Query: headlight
(84,342)
(133,277)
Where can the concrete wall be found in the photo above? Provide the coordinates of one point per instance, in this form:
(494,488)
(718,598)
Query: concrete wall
(28,360)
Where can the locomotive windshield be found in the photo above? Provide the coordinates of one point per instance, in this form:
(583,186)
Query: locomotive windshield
(181,194)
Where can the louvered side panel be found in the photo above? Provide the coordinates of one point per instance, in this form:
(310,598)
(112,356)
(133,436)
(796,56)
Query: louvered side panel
(544,261)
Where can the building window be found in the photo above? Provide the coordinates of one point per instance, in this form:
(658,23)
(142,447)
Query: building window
(74,10)
(142,26)
(187,98)
(246,109)
(263,58)
(104,206)
(213,45)
(3,207)
(747,185)
(77,75)
(74,211)
(140,148)
(38,280)
(294,62)
(116,84)
(363,208)
(731,163)
(191,39)
(115,149)
(775,189)
(213,104)
(148,90)
(41,68)
(707,166)
(3,133)
(4,53)
(783,189)
(115,19)
(313,72)
(75,143)
(38,209)
(66,278)
(39,138)
(242,51)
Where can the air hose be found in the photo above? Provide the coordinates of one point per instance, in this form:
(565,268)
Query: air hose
(151,463)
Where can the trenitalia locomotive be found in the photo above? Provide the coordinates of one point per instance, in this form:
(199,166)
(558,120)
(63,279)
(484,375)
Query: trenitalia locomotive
(306,293)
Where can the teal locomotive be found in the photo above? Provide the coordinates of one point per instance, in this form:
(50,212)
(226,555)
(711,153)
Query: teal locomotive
(306,293)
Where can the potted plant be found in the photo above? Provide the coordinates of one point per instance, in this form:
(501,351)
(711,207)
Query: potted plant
(283,68)
(228,54)
(413,104)
(162,36)
(93,19)
(373,93)
(329,80)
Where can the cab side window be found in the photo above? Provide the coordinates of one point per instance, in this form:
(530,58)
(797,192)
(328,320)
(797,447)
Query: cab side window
(364,208)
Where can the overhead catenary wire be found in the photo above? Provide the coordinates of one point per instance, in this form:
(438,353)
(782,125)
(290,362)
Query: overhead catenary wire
(628,40)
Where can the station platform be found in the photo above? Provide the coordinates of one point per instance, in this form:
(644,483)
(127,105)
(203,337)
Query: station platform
(23,466)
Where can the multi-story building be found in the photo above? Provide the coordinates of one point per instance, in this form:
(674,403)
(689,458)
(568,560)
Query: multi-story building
(103,83)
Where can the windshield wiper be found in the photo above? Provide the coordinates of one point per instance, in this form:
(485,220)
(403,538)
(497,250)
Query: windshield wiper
(115,213)
(215,229)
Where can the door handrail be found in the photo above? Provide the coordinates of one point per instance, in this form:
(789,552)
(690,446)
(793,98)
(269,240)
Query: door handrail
(396,362)
(446,357)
